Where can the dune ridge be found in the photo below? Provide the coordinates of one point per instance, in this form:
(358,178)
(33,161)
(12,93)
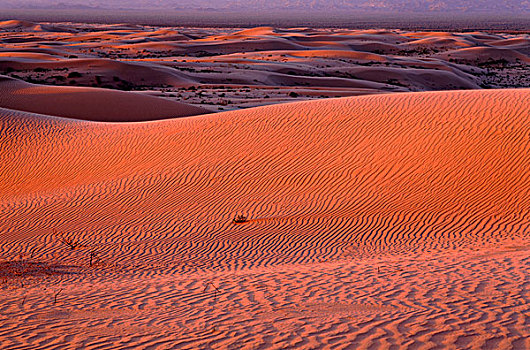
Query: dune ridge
(373,221)
(94,104)
(230,68)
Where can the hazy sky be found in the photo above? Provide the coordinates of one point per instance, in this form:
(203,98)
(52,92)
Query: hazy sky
(515,6)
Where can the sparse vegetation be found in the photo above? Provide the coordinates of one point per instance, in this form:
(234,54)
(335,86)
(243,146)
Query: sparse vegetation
(215,290)
(68,241)
(94,258)
(240,219)
(74,75)
(56,295)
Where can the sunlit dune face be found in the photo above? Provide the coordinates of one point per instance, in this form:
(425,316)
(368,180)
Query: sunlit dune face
(398,202)
(338,198)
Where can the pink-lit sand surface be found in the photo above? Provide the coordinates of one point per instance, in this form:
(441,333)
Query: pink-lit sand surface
(396,220)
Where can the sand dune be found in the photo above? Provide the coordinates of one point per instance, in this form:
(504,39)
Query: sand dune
(137,74)
(232,68)
(485,55)
(415,79)
(392,220)
(397,220)
(89,103)
(17,25)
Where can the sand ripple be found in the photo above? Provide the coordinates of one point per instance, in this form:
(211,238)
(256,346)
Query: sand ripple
(373,221)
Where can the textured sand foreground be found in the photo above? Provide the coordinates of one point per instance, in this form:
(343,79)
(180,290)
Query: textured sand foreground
(375,221)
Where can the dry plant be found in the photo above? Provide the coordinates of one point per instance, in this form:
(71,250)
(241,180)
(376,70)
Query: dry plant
(71,243)
(68,241)
(56,295)
(215,291)
(94,258)
(240,219)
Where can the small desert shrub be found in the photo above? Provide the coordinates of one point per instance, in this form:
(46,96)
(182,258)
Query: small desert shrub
(239,219)
(74,75)
(70,242)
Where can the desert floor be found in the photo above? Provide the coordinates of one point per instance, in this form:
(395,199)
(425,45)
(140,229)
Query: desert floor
(224,69)
(388,220)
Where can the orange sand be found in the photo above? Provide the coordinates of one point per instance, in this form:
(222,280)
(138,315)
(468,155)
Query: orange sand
(379,221)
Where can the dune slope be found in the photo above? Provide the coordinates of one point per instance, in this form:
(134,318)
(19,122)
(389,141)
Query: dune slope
(373,221)
(223,69)
(93,104)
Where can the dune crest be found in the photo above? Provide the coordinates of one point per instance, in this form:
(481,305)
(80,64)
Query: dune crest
(223,69)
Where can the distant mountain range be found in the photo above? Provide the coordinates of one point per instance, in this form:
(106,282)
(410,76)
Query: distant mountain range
(515,6)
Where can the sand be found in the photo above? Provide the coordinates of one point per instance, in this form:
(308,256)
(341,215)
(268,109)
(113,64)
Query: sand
(384,221)
(90,103)
(232,68)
